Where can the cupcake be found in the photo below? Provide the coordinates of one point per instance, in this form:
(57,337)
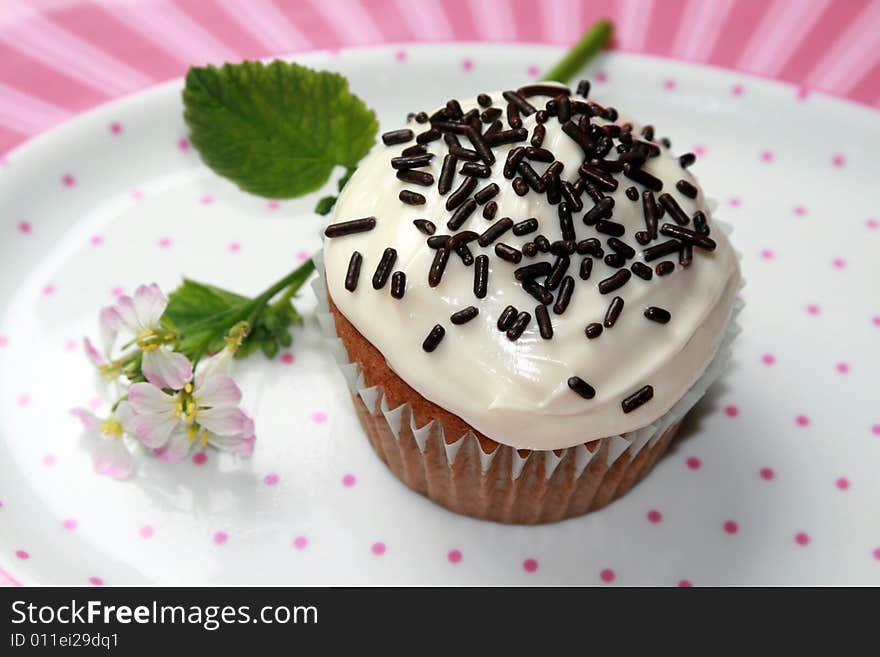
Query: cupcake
(527,293)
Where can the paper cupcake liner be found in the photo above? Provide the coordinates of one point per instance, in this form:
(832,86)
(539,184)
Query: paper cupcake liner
(506,484)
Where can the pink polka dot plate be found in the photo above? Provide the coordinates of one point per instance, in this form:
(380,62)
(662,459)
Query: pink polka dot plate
(773,481)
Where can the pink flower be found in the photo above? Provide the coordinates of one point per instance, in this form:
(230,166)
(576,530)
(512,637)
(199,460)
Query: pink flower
(140,317)
(206,411)
(110,455)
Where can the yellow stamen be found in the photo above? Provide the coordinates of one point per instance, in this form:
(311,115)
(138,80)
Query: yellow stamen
(112,428)
(192,433)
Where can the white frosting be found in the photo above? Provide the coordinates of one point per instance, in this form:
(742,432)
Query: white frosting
(516,392)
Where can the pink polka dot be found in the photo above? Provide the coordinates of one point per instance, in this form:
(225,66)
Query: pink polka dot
(96,240)
(48,289)
(734,201)
(146,532)
(71,345)
(116,127)
(117,291)
(872,224)
(137,194)
(21,554)
(813,309)
(164,242)
(319,417)
(300,542)
(876,429)
(183,144)
(767,254)
(349,480)
(533,71)
(467,65)
(302,256)
(68,180)
(454,556)
(699,150)
(801,538)
(669,84)
(731,411)
(24,400)
(767,156)
(843,368)
(234,247)
(607,575)
(838,160)
(768,359)
(70,524)
(694,463)
(400,55)
(378,548)
(4,341)
(654,516)
(731,527)
(273,205)
(737,90)
(49,460)
(200,458)
(839,263)
(685,584)
(802,420)
(220,538)
(206,200)
(271,479)
(767,474)
(842,483)
(876,553)
(601,77)
(96,581)
(800,210)
(288,358)
(530,565)
(24,227)
(875,320)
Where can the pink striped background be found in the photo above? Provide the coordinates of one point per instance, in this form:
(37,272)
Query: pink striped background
(60,57)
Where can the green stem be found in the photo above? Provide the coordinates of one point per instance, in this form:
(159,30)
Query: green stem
(582,52)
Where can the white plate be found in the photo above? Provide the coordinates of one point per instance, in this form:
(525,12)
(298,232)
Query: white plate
(797,178)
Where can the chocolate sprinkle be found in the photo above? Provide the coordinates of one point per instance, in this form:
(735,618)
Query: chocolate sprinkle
(427,227)
(530,249)
(438,241)
(411,198)
(686,160)
(538,136)
(505,320)
(484,100)
(600,178)
(495,231)
(530,176)
(617,280)
(491,114)
(636,399)
(642,270)
(660,250)
(418,149)
(520,186)
(649,208)
(686,188)
(614,310)
(438,266)
(686,255)
(590,246)
(481,276)
(398,284)
(593,331)
(421,117)
(632,193)
(581,387)
(571,196)
(490,210)
(642,177)
(397,137)
(519,325)
(610,228)
(486,193)
(465,254)
(434,338)
(601,210)
(559,268)
(461,215)
(417,177)
(535,270)
(586,268)
(459,195)
(539,154)
(545,327)
(350,227)
(688,236)
(583,88)
(658,315)
(506,136)
(475,169)
(464,315)
(621,247)
(542,243)
(447,173)
(521,103)
(566,288)
(664,268)
(513,117)
(563,247)
(674,209)
(566,224)
(508,253)
(354,271)
(513,158)
(643,237)
(383,269)
(615,260)
(700,224)
(542,90)
(481,146)
(428,136)
(525,227)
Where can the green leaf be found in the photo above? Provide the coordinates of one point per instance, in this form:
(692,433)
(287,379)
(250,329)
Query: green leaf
(325,205)
(276,130)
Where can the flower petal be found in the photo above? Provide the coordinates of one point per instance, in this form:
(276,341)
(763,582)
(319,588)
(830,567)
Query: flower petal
(110,324)
(240,444)
(124,414)
(177,448)
(147,398)
(216,364)
(149,304)
(217,390)
(226,421)
(93,354)
(154,430)
(91,422)
(125,309)
(166,369)
(112,458)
